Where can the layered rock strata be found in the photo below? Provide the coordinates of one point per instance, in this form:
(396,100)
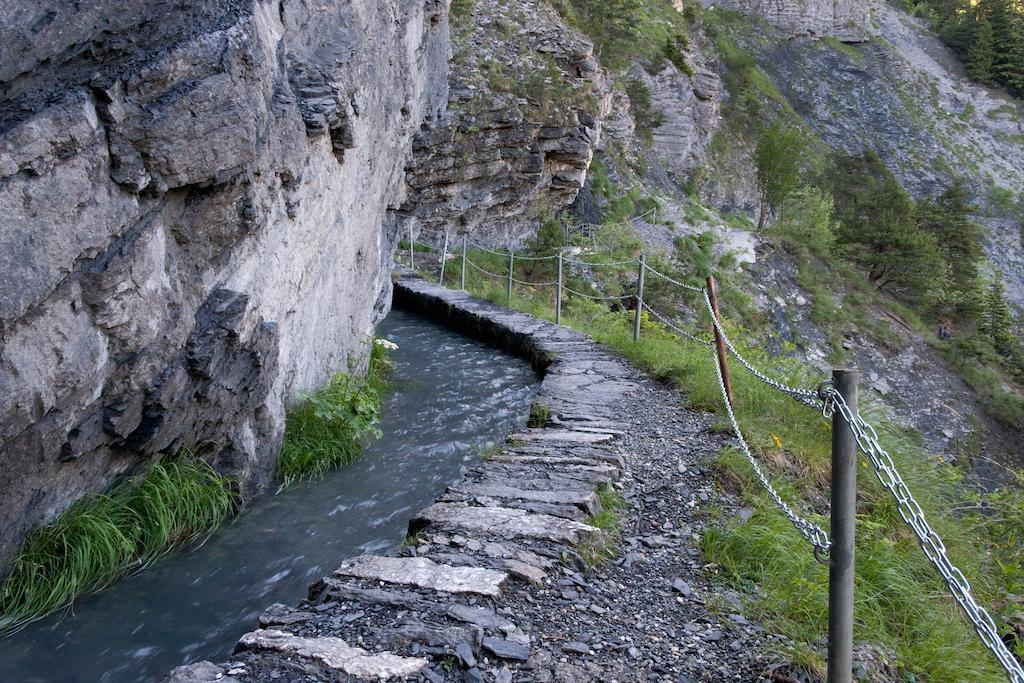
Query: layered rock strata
(847,20)
(193,195)
(524,118)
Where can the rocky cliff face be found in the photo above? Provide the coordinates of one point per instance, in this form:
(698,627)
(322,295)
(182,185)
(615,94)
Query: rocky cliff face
(527,103)
(907,97)
(847,20)
(193,195)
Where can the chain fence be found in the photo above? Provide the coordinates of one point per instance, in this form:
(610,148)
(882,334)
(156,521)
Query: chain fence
(825,399)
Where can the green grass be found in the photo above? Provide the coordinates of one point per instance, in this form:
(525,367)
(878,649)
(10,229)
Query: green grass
(598,551)
(102,537)
(902,603)
(328,428)
(850,51)
(178,501)
(539,414)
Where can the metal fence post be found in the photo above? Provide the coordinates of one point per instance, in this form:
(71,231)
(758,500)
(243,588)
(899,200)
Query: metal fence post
(558,292)
(639,297)
(511,265)
(462,283)
(844,514)
(723,353)
(412,249)
(444,258)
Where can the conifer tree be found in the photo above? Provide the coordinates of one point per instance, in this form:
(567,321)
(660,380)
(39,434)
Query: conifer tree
(981,54)
(997,318)
(960,240)
(1008,67)
(877,228)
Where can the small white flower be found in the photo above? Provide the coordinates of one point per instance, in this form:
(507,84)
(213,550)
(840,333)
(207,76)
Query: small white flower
(389,345)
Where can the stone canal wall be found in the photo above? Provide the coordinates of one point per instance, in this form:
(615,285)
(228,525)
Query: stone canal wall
(496,581)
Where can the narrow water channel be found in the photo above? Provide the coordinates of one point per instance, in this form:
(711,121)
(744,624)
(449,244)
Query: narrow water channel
(452,397)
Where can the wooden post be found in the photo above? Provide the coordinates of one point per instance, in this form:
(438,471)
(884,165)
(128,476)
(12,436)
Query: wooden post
(511,265)
(412,248)
(723,353)
(558,292)
(444,258)
(639,297)
(843,526)
(462,284)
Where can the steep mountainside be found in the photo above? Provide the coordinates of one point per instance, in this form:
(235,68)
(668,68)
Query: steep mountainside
(193,197)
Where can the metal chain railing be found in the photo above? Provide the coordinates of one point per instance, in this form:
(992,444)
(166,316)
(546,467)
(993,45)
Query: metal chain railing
(809,530)
(828,400)
(932,545)
(672,326)
(672,280)
(775,384)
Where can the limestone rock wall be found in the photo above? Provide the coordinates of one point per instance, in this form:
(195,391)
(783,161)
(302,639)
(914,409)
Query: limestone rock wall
(848,20)
(193,197)
(527,102)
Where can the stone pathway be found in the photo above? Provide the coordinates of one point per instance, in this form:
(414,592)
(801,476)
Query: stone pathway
(493,584)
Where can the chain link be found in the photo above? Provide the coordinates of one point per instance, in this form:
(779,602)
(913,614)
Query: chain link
(485,272)
(811,531)
(622,297)
(674,282)
(934,549)
(672,326)
(784,388)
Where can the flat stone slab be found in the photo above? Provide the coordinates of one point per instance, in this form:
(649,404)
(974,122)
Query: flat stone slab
(507,649)
(334,653)
(561,435)
(587,501)
(425,573)
(506,522)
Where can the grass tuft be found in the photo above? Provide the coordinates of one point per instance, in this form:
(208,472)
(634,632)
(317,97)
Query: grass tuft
(539,414)
(103,537)
(328,428)
(597,551)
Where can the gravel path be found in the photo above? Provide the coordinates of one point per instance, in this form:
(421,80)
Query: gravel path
(498,580)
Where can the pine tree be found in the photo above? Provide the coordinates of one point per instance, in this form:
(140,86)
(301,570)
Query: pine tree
(878,229)
(997,319)
(960,240)
(981,55)
(1008,67)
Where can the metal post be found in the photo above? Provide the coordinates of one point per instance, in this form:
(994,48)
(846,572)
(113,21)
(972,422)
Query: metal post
(511,265)
(444,258)
(462,284)
(844,515)
(723,354)
(639,297)
(412,249)
(558,292)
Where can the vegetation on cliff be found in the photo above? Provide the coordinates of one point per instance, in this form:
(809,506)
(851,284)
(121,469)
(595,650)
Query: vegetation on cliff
(327,428)
(987,34)
(180,500)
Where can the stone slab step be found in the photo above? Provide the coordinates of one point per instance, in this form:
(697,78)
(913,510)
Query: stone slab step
(561,464)
(334,653)
(560,435)
(425,573)
(480,616)
(504,522)
(553,509)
